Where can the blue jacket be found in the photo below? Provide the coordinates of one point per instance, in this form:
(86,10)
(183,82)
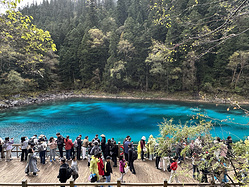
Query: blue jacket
(126,146)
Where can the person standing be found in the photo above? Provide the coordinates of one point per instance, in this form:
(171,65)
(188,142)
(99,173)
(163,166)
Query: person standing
(84,147)
(24,147)
(126,147)
(108,169)
(42,147)
(130,159)
(101,166)
(8,147)
(94,165)
(229,142)
(31,161)
(122,164)
(52,144)
(1,148)
(103,146)
(114,153)
(173,168)
(79,144)
(68,146)
(75,169)
(60,143)
(142,146)
(108,148)
(151,143)
(63,171)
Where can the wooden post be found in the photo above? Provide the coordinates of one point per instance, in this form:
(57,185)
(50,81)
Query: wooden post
(118,149)
(118,183)
(17,146)
(71,183)
(165,183)
(24,183)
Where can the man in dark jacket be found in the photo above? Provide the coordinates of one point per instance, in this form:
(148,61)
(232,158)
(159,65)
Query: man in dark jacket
(63,171)
(114,153)
(103,142)
(126,147)
(108,169)
(96,138)
(60,143)
(79,143)
(130,159)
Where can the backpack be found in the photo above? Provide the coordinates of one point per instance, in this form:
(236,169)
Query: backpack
(75,144)
(96,151)
(134,155)
(31,140)
(168,168)
(68,172)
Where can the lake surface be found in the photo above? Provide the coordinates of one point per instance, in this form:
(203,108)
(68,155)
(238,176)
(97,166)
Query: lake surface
(116,118)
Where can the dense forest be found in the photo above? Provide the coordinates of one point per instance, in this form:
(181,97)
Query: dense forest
(118,45)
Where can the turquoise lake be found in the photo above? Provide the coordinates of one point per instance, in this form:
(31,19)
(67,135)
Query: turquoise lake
(116,118)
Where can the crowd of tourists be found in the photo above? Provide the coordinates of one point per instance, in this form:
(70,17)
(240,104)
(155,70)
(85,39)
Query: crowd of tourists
(100,152)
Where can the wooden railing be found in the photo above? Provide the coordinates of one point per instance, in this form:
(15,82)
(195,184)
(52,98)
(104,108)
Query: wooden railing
(118,184)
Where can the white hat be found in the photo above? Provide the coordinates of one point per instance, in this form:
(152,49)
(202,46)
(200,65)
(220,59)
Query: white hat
(143,138)
(102,135)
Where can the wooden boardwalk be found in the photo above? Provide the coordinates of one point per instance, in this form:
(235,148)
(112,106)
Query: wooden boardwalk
(13,172)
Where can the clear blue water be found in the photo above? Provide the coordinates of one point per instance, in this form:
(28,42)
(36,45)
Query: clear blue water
(115,118)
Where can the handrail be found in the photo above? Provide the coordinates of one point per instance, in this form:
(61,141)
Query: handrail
(118,184)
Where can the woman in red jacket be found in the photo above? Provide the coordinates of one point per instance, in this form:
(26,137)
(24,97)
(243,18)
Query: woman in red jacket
(68,146)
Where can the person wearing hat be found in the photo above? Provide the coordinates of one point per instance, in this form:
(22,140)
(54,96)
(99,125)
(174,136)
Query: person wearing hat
(103,142)
(108,169)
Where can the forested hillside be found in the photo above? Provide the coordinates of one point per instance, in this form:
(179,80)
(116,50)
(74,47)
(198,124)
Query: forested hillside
(159,45)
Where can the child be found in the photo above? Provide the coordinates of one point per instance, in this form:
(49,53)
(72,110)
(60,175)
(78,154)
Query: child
(75,169)
(122,164)
(108,169)
(173,168)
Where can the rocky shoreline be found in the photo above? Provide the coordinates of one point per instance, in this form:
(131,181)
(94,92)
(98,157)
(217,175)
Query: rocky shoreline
(17,100)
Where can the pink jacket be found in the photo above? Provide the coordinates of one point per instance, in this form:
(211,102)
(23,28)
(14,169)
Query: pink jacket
(121,166)
(53,144)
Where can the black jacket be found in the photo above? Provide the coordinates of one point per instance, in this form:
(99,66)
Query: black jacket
(130,155)
(63,173)
(79,142)
(114,150)
(60,141)
(107,169)
(108,147)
